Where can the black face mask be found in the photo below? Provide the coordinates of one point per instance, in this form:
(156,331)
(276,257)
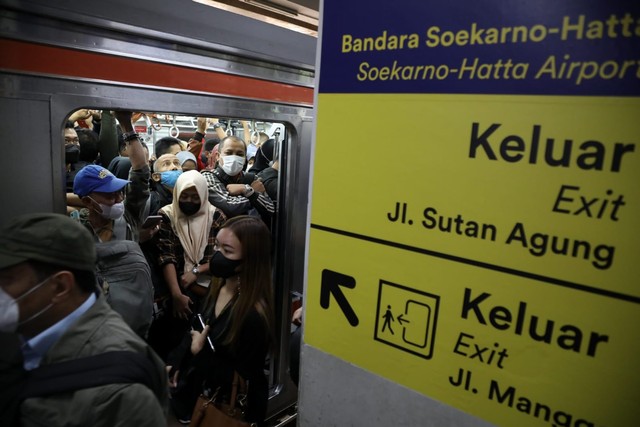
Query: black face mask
(189,208)
(221,266)
(71,153)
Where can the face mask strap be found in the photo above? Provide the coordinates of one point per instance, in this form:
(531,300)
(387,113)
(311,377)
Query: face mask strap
(100,205)
(39,313)
(35,288)
(263,155)
(34,316)
(109,209)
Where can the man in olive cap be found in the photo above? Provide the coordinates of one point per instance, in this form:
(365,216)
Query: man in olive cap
(49,297)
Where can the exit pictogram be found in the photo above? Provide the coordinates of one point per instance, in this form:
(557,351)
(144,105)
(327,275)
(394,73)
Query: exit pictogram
(406,318)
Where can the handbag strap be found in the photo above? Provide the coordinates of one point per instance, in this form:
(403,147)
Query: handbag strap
(235,386)
(238,385)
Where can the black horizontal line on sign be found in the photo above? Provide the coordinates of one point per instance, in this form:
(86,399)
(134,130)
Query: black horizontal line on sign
(480,264)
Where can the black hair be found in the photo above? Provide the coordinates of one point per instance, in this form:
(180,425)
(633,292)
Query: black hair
(255,272)
(88,145)
(210,143)
(68,125)
(163,145)
(85,279)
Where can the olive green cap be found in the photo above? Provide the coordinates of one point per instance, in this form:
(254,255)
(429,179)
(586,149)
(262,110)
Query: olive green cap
(47,237)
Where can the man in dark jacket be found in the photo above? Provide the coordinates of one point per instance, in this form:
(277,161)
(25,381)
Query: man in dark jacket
(49,297)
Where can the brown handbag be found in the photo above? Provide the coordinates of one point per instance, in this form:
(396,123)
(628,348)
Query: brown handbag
(212,412)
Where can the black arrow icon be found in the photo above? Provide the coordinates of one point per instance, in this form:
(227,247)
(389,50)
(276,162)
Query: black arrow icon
(402,320)
(330,284)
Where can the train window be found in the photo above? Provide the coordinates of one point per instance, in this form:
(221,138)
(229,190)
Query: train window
(99,138)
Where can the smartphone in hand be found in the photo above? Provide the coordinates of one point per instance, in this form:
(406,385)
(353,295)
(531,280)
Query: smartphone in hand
(201,325)
(152,221)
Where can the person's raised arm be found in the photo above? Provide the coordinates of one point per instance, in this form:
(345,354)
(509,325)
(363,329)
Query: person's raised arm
(137,192)
(137,154)
(246,131)
(81,114)
(219,129)
(108,138)
(196,143)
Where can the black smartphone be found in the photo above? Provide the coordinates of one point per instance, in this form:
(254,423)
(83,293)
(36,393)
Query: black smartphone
(152,221)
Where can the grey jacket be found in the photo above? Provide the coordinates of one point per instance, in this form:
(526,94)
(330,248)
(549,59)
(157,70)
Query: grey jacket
(98,330)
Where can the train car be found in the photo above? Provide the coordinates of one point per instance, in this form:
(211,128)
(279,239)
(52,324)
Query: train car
(179,59)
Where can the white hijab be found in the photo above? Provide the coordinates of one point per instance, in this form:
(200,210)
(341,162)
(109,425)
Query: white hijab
(193,231)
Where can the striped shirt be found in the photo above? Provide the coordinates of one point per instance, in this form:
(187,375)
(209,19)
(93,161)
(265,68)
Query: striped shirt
(219,197)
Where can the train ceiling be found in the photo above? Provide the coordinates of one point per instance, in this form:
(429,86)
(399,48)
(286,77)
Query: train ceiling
(297,15)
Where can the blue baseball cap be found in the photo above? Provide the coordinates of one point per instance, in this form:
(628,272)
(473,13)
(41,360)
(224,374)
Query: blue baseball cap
(96,178)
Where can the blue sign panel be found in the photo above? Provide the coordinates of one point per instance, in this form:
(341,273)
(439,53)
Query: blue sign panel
(497,47)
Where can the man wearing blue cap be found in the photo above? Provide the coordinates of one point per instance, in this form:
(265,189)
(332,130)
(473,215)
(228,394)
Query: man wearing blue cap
(115,210)
(48,296)
(103,194)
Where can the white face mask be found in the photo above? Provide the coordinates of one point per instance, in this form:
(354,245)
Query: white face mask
(9,309)
(111,212)
(232,164)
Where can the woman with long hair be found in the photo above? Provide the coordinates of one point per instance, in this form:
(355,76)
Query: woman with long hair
(238,313)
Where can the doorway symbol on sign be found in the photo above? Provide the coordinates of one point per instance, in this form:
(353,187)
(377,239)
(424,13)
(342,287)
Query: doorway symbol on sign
(414,324)
(422,312)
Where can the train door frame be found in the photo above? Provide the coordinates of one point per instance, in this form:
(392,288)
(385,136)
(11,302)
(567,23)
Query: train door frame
(291,222)
(58,60)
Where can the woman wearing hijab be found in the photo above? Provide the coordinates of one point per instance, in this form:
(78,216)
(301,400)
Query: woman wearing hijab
(185,240)
(239,318)
(264,156)
(185,245)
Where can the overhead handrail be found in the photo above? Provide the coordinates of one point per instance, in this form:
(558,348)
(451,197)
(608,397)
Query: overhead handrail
(174,128)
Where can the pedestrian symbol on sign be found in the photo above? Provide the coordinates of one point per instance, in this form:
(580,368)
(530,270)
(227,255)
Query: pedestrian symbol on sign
(388,318)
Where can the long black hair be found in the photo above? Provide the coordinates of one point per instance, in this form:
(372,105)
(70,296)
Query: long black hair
(256,290)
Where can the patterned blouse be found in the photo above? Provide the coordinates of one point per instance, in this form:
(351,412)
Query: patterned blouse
(170,249)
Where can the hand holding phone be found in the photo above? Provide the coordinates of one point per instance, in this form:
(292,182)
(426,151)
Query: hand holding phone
(202,325)
(152,221)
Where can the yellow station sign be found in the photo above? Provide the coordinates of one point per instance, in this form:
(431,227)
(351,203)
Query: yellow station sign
(482,250)
(475,222)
